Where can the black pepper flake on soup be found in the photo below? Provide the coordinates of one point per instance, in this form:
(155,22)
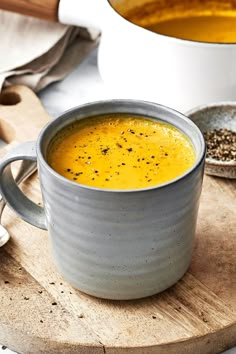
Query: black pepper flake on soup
(119,145)
(105,151)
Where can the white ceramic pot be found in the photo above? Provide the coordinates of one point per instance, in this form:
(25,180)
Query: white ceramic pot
(116,244)
(138,63)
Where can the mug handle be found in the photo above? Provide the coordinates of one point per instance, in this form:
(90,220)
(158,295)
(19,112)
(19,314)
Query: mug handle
(14,197)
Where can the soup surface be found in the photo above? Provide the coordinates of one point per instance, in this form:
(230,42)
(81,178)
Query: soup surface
(120,152)
(214,29)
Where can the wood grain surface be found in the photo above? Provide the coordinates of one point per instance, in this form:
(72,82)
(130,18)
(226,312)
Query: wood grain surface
(47,10)
(41,313)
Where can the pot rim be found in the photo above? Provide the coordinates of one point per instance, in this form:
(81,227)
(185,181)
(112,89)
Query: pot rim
(170,38)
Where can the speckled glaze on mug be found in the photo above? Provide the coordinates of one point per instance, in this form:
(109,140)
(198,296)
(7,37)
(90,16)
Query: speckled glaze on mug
(114,244)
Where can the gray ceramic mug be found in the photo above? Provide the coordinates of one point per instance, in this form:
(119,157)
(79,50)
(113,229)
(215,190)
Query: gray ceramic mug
(111,243)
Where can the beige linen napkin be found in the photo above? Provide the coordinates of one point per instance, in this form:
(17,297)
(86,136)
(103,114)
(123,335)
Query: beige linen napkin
(36,53)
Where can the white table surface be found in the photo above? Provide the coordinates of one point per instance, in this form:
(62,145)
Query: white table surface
(83,85)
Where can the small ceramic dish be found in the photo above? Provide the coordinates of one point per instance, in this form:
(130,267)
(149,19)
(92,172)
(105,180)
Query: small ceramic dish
(220,115)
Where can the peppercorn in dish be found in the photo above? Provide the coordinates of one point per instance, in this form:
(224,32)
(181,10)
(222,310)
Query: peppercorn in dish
(221,144)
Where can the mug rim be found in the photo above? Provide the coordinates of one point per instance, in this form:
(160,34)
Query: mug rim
(73,112)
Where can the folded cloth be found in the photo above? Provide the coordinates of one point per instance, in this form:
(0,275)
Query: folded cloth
(36,53)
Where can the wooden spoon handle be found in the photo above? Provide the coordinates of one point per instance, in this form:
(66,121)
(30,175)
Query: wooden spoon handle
(47,10)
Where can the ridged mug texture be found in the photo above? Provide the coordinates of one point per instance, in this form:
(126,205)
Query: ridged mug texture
(122,244)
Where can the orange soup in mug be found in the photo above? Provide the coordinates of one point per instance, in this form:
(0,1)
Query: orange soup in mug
(118,151)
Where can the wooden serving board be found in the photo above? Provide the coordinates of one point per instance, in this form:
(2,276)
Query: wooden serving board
(41,313)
